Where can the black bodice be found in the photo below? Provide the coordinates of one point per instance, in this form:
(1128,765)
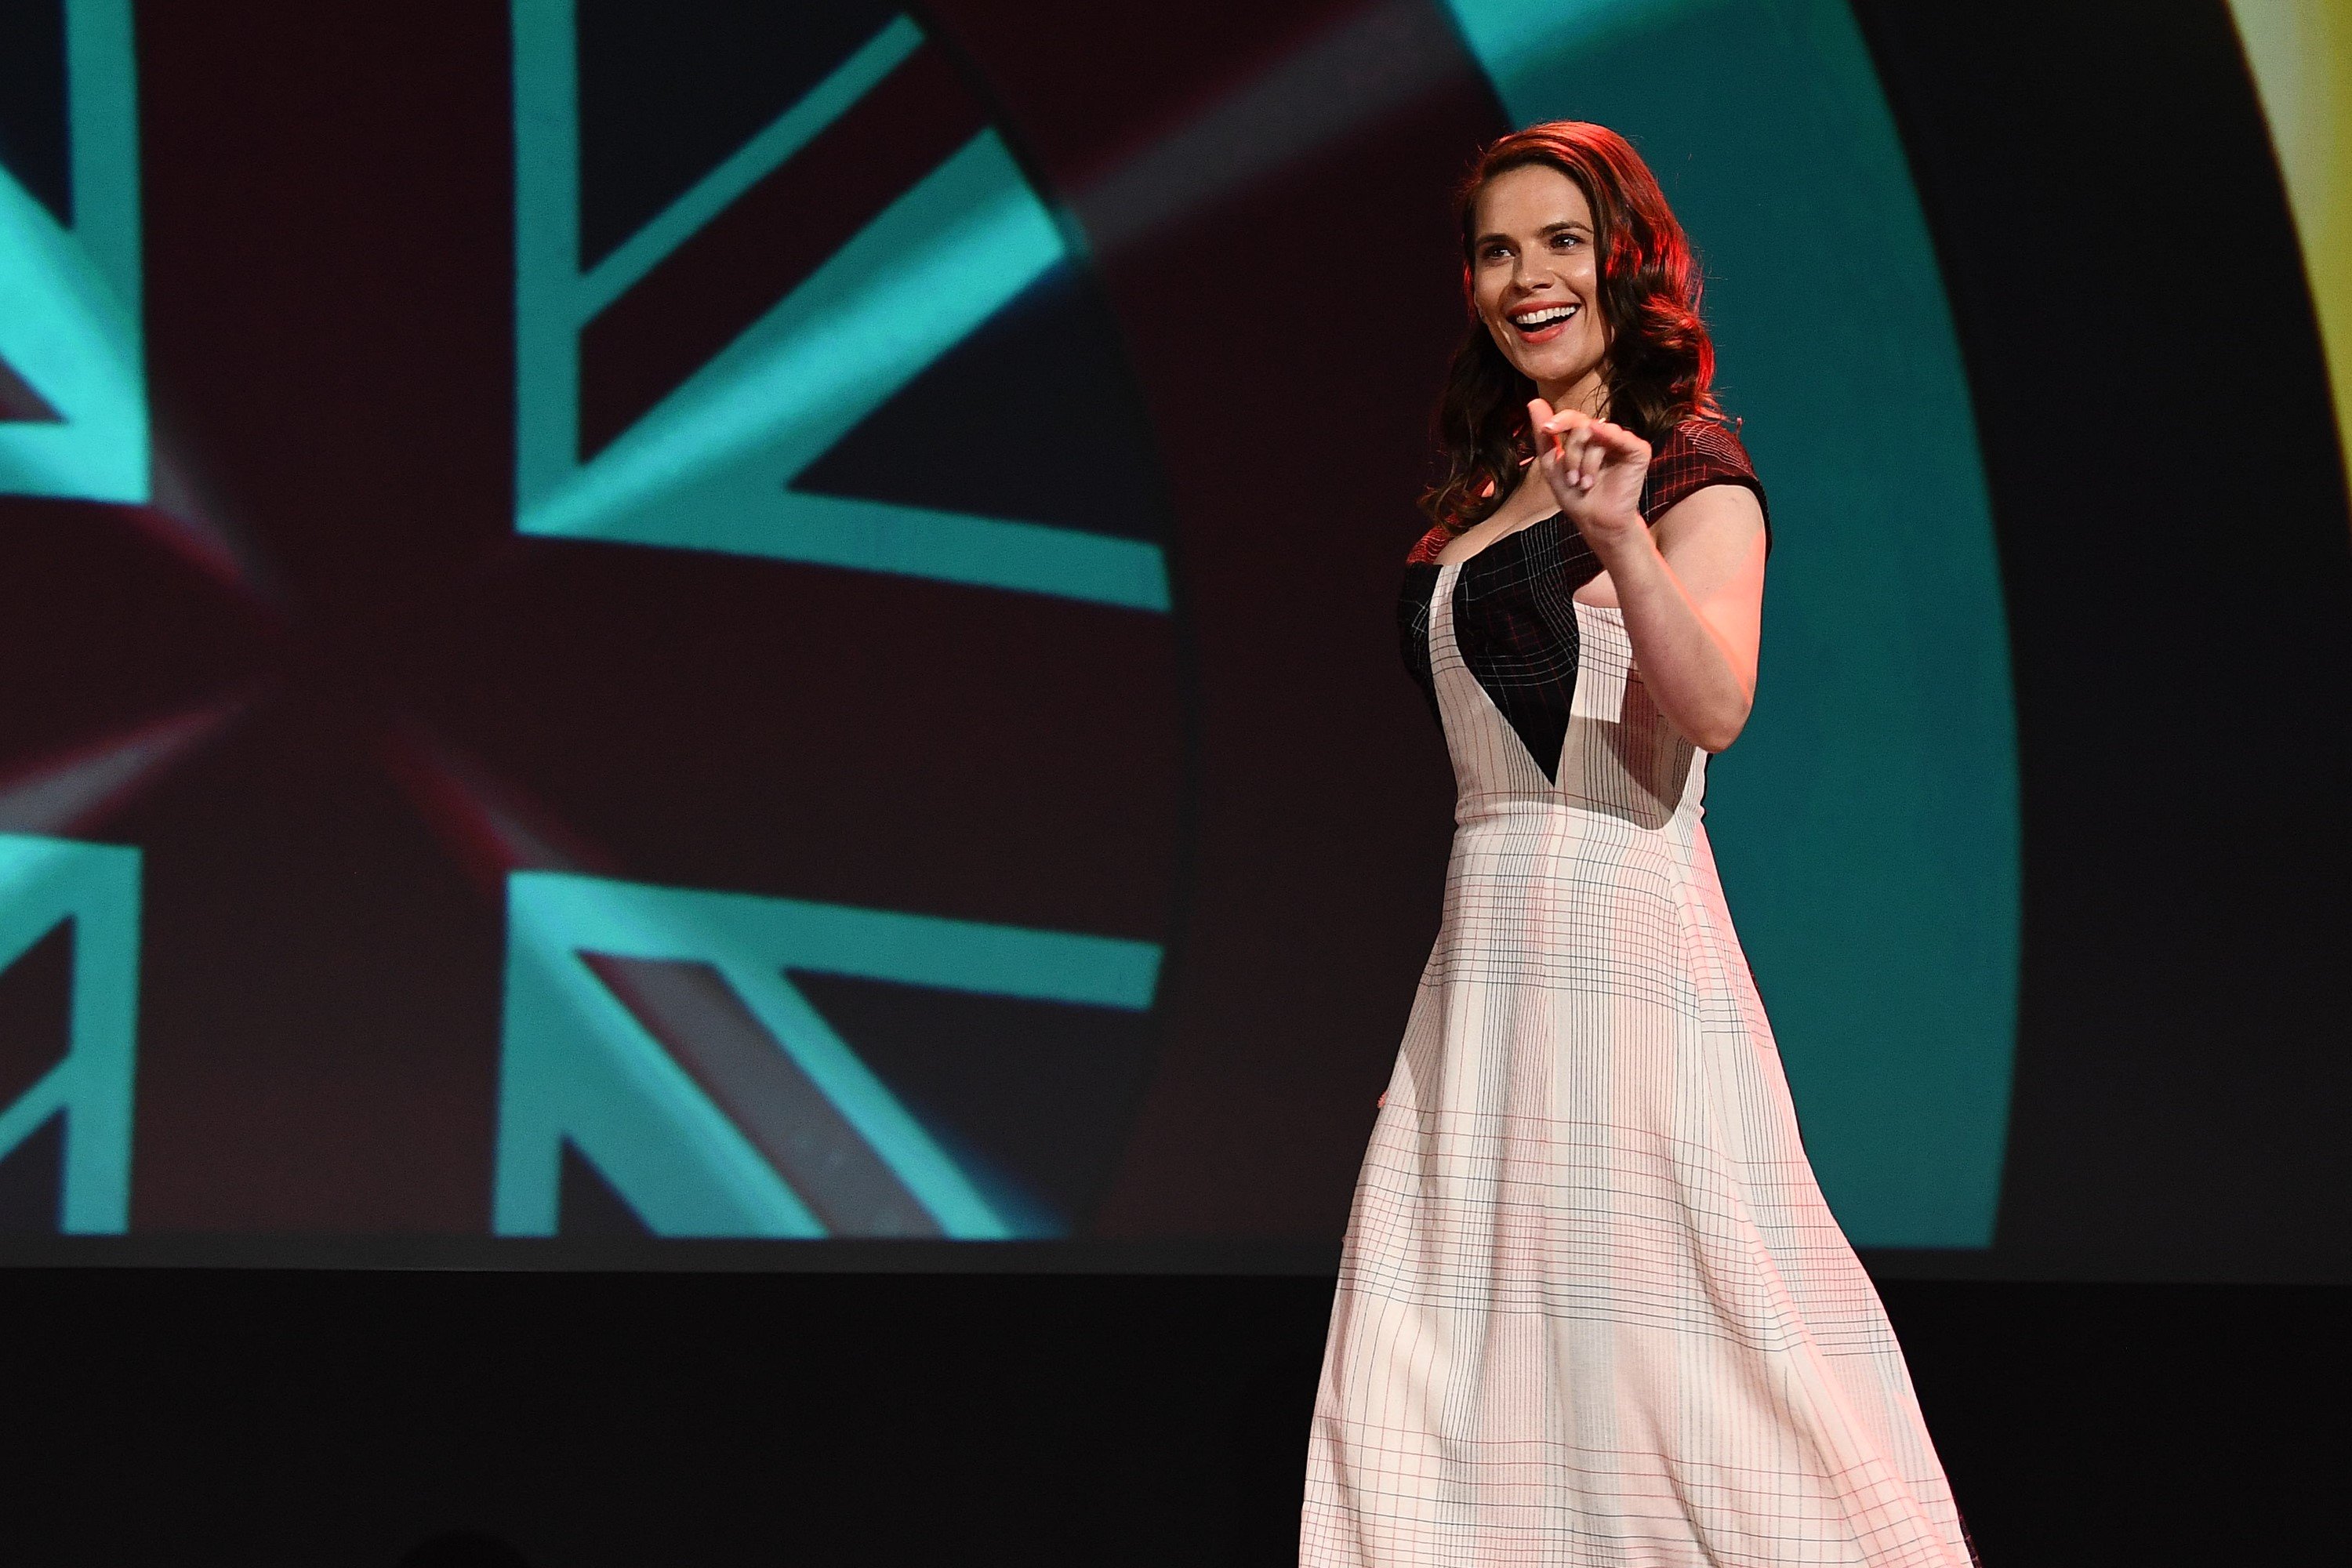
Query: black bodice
(1514,622)
(1515,601)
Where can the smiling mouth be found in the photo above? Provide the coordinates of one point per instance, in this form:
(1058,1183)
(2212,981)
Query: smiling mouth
(1537,325)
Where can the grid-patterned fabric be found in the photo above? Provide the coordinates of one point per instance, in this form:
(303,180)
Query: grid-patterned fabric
(1593,1310)
(1695,454)
(1515,626)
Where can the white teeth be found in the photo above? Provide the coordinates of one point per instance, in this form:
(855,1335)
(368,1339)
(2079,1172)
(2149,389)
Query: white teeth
(1537,320)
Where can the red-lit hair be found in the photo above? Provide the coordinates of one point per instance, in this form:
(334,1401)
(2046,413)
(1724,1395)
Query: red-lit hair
(1661,365)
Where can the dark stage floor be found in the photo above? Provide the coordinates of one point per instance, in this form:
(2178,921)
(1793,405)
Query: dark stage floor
(331,1418)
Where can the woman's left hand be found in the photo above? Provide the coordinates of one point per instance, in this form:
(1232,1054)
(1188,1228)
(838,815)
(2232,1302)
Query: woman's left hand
(1595,470)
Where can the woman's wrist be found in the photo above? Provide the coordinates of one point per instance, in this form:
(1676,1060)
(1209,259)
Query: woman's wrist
(1625,548)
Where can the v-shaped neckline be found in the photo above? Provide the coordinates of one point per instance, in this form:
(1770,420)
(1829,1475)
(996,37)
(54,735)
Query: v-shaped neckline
(1458,567)
(1500,540)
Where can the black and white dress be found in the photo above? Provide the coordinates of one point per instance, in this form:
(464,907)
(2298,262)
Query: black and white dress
(1593,1310)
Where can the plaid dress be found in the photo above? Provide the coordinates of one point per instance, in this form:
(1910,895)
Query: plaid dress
(1593,1310)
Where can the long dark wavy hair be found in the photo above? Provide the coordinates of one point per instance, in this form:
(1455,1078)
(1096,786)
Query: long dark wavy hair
(1661,365)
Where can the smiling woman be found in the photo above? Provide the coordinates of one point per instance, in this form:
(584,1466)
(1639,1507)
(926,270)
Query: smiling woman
(1562,328)
(1548,269)
(1591,1292)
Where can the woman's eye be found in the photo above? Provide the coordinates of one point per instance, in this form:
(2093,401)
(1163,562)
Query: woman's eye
(1566,241)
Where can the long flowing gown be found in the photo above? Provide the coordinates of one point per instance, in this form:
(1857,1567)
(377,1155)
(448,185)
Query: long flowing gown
(1592,1309)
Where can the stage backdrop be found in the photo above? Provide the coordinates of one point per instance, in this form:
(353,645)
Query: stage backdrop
(627,624)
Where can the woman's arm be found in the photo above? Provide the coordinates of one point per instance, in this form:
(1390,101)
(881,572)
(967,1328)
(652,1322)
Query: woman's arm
(1692,593)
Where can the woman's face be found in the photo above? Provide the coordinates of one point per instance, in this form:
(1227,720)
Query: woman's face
(1536,281)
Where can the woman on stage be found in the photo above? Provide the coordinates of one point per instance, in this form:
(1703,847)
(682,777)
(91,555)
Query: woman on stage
(1593,1310)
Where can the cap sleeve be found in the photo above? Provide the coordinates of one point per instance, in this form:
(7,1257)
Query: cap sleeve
(1426,552)
(1695,454)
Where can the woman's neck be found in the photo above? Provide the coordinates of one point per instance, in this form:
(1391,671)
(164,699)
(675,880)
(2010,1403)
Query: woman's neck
(1589,393)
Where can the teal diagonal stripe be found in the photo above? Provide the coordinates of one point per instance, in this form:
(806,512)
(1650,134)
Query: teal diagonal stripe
(580,1067)
(69,298)
(711,466)
(43,882)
